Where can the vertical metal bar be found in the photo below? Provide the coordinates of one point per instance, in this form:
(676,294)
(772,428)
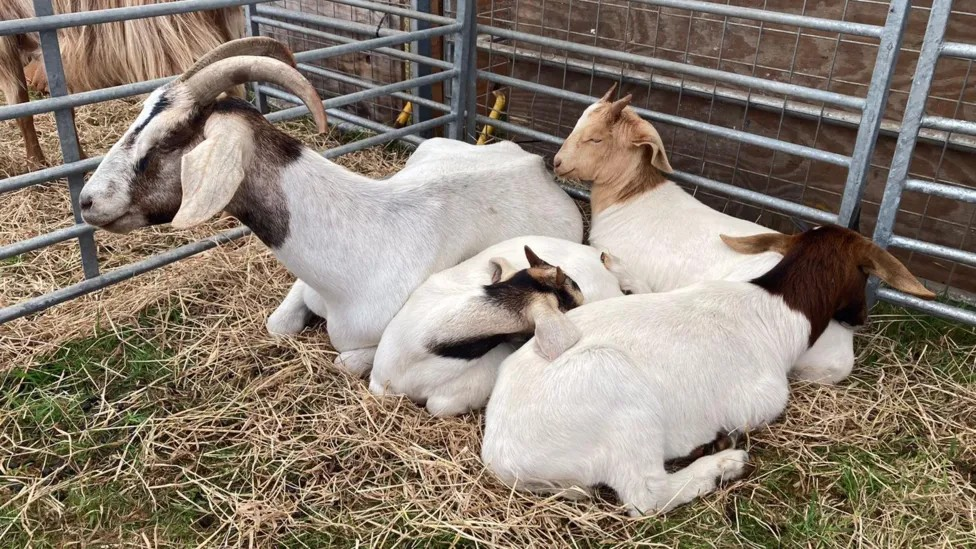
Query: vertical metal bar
(67,135)
(911,123)
(423,47)
(254,29)
(875,102)
(464,88)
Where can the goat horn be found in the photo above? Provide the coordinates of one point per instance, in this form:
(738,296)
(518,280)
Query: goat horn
(211,81)
(253,45)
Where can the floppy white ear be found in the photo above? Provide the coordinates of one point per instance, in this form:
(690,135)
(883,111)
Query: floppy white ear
(554,332)
(212,172)
(501,269)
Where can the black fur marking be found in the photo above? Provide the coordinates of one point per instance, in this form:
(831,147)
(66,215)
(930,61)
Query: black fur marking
(159,107)
(469,349)
(512,294)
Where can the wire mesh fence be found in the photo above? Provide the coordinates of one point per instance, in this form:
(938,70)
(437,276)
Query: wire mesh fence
(773,111)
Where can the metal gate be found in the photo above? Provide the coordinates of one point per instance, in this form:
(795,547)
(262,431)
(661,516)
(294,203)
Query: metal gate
(477,38)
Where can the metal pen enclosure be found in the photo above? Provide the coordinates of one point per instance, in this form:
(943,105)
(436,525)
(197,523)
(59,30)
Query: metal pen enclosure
(475,38)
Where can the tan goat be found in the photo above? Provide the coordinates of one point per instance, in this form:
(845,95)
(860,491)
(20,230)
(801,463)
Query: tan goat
(109,54)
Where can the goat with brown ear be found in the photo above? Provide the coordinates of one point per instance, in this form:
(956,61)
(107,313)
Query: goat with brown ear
(666,237)
(359,246)
(445,345)
(655,376)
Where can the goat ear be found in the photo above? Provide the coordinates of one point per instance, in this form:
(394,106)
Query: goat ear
(606,259)
(759,243)
(501,269)
(886,267)
(211,174)
(649,138)
(560,276)
(554,331)
(609,95)
(534,260)
(618,106)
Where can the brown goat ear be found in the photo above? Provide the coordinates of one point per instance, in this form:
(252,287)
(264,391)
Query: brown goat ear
(534,260)
(886,267)
(560,276)
(609,95)
(618,106)
(501,269)
(212,172)
(647,136)
(759,243)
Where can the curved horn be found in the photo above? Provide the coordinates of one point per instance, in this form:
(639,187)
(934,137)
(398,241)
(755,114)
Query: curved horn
(254,45)
(212,80)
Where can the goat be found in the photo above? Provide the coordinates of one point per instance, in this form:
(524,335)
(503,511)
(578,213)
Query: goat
(361,245)
(657,375)
(108,54)
(445,345)
(666,236)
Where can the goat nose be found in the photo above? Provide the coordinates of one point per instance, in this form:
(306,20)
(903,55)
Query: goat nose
(86,202)
(556,162)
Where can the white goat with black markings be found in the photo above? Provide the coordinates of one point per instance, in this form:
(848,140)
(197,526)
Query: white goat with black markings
(444,347)
(359,245)
(656,376)
(665,236)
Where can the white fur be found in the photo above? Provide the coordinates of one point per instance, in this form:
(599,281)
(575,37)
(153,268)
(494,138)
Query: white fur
(668,240)
(654,377)
(448,306)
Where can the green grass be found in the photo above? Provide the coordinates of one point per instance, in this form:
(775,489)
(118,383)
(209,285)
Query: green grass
(105,432)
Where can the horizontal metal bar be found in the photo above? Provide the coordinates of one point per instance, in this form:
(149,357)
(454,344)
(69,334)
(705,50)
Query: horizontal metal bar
(77,19)
(935,308)
(958,49)
(694,125)
(9,112)
(364,95)
(681,68)
(118,275)
(45,240)
(725,189)
(49,174)
(341,77)
(753,197)
(348,40)
(363,45)
(817,23)
(412,129)
(934,250)
(949,124)
(789,107)
(953,192)
(297,112)
(521,130)
(395,10)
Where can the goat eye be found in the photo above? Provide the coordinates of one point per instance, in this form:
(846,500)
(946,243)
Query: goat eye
(595,140)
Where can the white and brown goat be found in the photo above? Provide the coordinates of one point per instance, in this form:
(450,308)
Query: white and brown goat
(655,376)
(445,345)
(665,236)
(359,245)
(108,54)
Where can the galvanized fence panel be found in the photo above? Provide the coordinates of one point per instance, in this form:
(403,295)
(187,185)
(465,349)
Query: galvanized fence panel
(75,168)
(934,47)
(477,48)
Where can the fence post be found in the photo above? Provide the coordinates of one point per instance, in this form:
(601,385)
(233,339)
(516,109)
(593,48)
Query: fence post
(911,123)
(422,47)
(253,29)
(464,84)
(67,134)
(874,107)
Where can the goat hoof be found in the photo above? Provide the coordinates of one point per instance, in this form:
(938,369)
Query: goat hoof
(358,362)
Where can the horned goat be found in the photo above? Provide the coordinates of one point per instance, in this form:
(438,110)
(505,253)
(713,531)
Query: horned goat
(445,345)
(657,375)
(361,245)
(666,237)
(108,54)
